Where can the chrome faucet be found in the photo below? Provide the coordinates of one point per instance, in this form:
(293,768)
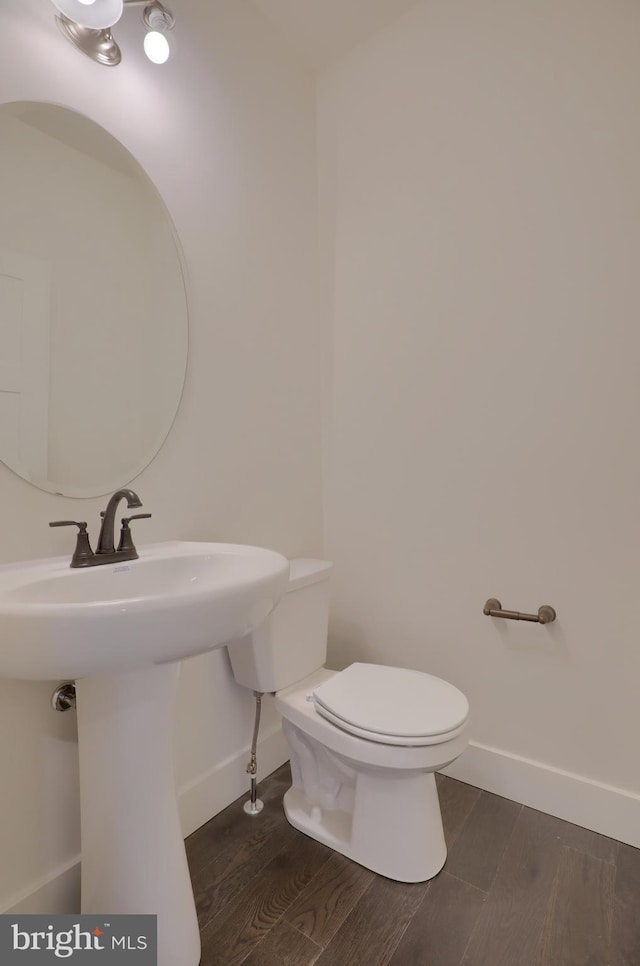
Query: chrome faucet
(106,538)
(106,552)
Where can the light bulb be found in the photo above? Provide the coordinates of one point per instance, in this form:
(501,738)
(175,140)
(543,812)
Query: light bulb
(95,14)
(156,47)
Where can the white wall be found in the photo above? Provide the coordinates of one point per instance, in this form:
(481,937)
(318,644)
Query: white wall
(226,132)
(480,186)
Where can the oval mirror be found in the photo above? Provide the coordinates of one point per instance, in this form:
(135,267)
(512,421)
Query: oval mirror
(93,309)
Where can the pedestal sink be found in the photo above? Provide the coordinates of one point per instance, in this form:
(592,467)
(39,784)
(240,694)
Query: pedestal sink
(119,631)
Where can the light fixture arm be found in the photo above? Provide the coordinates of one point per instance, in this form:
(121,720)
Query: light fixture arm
(99,45)
(155,15)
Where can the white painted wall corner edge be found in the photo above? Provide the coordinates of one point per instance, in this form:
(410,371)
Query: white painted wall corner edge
(602,808)
(59,892)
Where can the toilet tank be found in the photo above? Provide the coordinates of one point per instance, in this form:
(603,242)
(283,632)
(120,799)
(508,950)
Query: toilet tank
(292,642)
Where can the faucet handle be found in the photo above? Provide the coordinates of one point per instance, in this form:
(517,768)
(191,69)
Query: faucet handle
(126,540)
(82,525)
(83,554)
(137,516)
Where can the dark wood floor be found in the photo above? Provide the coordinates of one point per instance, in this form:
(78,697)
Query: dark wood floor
(520,888)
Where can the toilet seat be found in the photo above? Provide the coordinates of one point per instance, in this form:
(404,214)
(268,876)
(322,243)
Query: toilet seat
(394,706)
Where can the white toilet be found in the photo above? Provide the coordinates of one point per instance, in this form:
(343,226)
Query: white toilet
(364,742)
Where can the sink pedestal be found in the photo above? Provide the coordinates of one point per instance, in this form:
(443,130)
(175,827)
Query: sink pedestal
(133,856)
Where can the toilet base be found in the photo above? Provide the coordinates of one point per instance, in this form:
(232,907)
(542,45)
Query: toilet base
(394,827)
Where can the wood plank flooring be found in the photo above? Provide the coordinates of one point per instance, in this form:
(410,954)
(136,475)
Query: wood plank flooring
(520,888)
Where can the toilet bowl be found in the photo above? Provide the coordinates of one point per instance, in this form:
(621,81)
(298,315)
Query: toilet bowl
(364,742)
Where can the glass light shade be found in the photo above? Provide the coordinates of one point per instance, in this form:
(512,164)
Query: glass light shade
(156,47)
(97,15)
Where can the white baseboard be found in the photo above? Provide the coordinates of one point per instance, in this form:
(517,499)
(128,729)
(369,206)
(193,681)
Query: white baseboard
(212,791)
(199,800)
(56,893)
(602,808)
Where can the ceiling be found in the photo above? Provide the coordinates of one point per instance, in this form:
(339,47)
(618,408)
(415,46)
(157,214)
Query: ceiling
(324,30)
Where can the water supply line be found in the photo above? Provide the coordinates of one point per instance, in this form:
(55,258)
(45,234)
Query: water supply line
(254,806)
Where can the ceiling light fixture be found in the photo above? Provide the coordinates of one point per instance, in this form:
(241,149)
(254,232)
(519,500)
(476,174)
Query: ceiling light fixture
(86,23)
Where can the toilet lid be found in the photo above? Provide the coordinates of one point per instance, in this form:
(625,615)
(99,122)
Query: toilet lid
(392,704)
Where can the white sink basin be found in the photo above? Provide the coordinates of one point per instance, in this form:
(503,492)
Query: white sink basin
(177,600)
